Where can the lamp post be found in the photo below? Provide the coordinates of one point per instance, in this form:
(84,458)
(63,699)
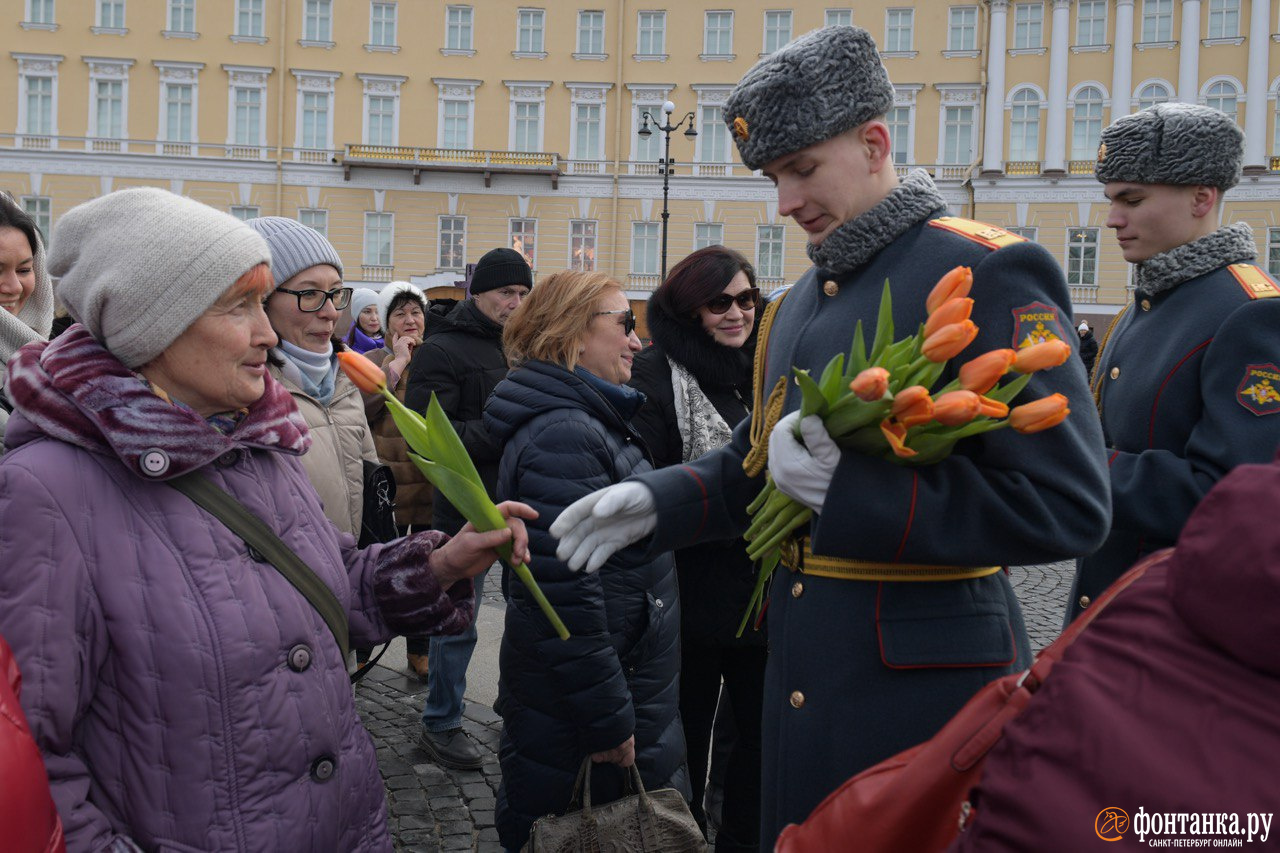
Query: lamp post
(665,162)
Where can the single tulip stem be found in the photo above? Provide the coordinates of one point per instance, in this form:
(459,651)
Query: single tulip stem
(526,577)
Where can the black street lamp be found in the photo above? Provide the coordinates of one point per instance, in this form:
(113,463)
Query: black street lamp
(665,162)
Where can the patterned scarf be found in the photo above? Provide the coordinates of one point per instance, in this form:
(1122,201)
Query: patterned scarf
(700,425)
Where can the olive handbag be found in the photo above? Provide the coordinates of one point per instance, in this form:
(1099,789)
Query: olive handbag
(652,821)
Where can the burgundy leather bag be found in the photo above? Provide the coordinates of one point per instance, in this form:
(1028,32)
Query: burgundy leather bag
(918,799)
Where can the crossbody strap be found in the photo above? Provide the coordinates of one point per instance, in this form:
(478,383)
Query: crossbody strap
(240,521)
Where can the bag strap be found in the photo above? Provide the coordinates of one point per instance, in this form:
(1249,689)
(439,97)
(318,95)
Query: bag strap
(240,521)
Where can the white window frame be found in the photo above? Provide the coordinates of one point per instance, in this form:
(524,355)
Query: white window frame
(1024,107)
(1157,21)
(767,236)
(958,97)
(583,244)
(962,33)
(103,70)
(896,21)
(245,212)
(459,30)
(777,30)
(1078,266)
(712,131)
(315,218)
(587,94)
(378,27)
(317,23)
(1224,19)
(524,226)
(255,12)
(318,84)
(457,92)
(180,17)
(1030,232)
(380,86)
(1086,150)
(646,99)
(901,130)
(246,78)
(45,18)
(645,20)
(37,66)
(108,22)
(1164,86)
(1208,94)
(707,234)
(644,243)
(723,34)
(526,93)
(838,17)
(1273,251)
(442,232)
(367,256)
(1028,26)
(40,209)
(590,37)
(533,22)
(1096,34)
(178,74)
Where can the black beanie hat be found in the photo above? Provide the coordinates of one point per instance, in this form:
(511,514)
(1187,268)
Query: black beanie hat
(500,268)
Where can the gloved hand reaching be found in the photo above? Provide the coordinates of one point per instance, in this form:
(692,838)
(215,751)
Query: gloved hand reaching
(593,528)
(803,471)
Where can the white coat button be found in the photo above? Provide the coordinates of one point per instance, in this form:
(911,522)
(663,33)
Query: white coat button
(797,589)
(658,603)
(154,462)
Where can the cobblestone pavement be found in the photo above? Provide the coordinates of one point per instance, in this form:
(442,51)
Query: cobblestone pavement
(436,809)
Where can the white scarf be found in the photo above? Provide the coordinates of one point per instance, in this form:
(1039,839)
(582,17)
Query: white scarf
(701,427)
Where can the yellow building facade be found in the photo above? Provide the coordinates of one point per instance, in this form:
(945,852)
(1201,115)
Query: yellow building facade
(419,134)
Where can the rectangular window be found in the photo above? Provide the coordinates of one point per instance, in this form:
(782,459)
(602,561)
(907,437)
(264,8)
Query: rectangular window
(644,248)
(179,109)
(1157,20)
(529,31)
(249,18)
(582,245)
(317,20)
(39,105)
(377,239)
(649,148)
(382,121)
(317,220)
(315,120)
(962,28)
(899,121)
(248,118)
(457,125)
(111,14)
(40,11)
(1023,231)
(838,18)
(1224,19)
(777,30)
(1273,250)
(957,135)
(898,24)
(707,234)
(591,32)
(717,34)
(1028,25)
(109,107)
(528,119)
(245,211)
(1091,23)
(1082,257)
(453,242)
(382,24)
(651,39)
(458,28)
(586,118)
(1086,125)
(713,136)
(769,251)
(182,16)
(40,208)
(524,237)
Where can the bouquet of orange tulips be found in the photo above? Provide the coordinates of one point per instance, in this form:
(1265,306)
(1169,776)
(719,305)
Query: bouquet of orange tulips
(880,403)
(435,448)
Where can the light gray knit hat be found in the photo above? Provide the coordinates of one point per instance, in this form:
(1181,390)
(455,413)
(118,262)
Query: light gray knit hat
(361,298)
(139,266)
(294,246)
(1180,144)
(817,87)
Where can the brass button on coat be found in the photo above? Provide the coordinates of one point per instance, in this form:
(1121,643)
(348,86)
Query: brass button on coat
(1084,601)
(797,589)
(1115,373)
(797,699)
(1146,304)
(830,288)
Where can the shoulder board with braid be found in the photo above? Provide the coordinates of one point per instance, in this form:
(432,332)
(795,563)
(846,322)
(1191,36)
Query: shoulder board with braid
(991,236)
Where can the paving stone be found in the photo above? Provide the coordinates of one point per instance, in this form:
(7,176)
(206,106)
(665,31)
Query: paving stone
(485,846)
(399,783)
(431,774)
(438,803)
(457,842)
(413,821)
(482,818)
(482,804)
(446,789)
(452,813)
(456,827)
(474,790)
(490,834)
(462,777)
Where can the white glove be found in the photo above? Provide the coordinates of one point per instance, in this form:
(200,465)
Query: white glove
(803,471)
(591,529)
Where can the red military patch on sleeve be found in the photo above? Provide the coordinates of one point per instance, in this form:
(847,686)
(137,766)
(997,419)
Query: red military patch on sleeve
(1257,391)
(1035,324)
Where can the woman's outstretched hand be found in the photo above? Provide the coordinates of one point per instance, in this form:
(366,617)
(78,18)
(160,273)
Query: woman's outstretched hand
(470,552)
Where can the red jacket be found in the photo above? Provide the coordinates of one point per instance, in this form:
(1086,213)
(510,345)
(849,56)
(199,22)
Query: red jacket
(28,821)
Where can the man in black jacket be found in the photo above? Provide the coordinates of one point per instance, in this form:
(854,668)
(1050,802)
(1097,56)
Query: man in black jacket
(461,361)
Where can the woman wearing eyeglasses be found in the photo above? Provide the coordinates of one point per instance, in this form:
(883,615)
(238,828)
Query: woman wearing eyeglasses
(303,310)
(697,378)
(562,417)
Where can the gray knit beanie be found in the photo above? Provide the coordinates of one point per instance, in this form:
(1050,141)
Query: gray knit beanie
(361,298)
(294,246)
(139,266)
(1180,144)
(822,84)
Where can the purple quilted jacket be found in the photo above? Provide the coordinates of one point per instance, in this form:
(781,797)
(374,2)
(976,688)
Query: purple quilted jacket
(184,695)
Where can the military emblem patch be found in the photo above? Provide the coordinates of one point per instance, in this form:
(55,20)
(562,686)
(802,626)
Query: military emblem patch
(1036,323)
(1258,391)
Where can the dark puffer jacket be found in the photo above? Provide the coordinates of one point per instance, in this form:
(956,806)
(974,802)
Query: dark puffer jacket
(617,674)
(716,577)
(460,360)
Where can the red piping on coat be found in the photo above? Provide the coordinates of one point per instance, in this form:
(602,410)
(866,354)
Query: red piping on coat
(705,506)
(1151,428)
(911,515)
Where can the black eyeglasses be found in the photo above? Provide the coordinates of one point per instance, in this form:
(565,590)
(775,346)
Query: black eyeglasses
(312,300)
(628,318)
(747,300)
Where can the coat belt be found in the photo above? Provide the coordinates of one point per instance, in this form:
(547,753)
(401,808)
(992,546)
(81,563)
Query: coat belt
(800,557)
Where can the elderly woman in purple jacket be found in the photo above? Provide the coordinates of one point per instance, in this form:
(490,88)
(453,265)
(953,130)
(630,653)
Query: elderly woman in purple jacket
(183,693)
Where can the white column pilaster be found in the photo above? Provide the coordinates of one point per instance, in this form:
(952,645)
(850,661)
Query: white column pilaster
(1255,99)
(1189,53)
(1055,131)
(1122,68)
(993,123)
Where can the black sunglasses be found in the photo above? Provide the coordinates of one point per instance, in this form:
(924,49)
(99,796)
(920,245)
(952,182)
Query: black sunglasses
(747,300)
(312,300)
(628,318)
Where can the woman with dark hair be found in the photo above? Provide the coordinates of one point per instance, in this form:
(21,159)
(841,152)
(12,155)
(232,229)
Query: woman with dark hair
(26,294)
(367,327)
(697,378)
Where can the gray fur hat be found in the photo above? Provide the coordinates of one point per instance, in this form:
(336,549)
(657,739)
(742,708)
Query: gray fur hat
(822,84)
(1180,144)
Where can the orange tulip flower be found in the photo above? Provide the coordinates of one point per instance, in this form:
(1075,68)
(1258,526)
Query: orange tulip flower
(955,284)
(951,311)
(366,375)
(896,435)
(871,384)
(956,407)
(912,406)
(1039,414)
(948,342)
(992,408)
(1042,356)
(981,374)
